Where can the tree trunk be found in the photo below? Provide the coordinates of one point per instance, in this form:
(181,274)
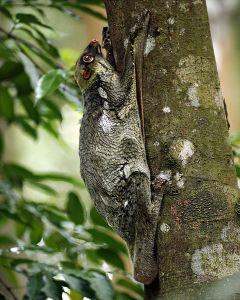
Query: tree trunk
(186,140)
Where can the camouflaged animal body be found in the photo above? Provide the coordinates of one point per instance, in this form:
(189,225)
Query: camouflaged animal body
(112,153)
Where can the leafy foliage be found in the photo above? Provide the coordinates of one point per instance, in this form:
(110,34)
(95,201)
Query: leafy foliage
(58,250)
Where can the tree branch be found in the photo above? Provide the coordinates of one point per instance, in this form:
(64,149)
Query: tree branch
(8,289)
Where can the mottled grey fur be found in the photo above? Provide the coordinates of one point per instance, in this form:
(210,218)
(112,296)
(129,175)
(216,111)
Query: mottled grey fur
(113,158)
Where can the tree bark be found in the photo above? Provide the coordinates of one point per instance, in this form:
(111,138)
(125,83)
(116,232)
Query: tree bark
(186,141)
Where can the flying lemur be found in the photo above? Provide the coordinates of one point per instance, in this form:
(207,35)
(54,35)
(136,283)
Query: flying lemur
(112,150)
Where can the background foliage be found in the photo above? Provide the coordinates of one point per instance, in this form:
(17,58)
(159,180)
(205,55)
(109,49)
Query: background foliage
(63,251)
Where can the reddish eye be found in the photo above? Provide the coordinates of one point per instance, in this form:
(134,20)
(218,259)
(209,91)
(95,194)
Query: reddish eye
(88,58)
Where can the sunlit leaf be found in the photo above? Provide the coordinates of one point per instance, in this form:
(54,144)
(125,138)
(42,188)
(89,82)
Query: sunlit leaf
(52,288)
(73,295)
(100,284)
(75,209)
(80,285)
(49,82)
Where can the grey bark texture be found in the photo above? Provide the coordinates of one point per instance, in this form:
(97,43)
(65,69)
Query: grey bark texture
(186,142)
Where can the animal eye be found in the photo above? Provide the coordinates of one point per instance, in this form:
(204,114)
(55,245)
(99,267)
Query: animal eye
(88,58)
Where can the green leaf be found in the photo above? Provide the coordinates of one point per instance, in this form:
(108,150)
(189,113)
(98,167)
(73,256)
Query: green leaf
(6,103)
(71,94)
(59,177)
(80,285)
(100,284)
(123,296)
(92,2)
(52,288)
(73,295)
(56,241)
(87,10)
(30,19)
(36,232)
(5,12)
(30,108)
(50,128)
(104,237)
(50,110)
(44,188)
(30,69)
(20,229)
(10,69)
(111,257)
(39,53)
(49,82)
(13,216)
(75,209)
(131,285)
(22,84)
(26,127)
(55,216)
(234,138)
(14,170)
(93,13)
(1,145)
(97,219)
(41,41)
(237,170)
(6,240)
(34,287)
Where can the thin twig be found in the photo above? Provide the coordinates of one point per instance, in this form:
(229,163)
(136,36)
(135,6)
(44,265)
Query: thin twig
(8,289)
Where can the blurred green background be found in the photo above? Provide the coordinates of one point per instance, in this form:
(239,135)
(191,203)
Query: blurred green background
(53,243)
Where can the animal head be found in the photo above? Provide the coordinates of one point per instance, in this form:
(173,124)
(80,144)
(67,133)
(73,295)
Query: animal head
(89,65)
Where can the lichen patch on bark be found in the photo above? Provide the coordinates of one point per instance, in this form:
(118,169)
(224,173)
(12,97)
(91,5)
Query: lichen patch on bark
(212,262)
(193,95)
(150,45)
(182,150)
